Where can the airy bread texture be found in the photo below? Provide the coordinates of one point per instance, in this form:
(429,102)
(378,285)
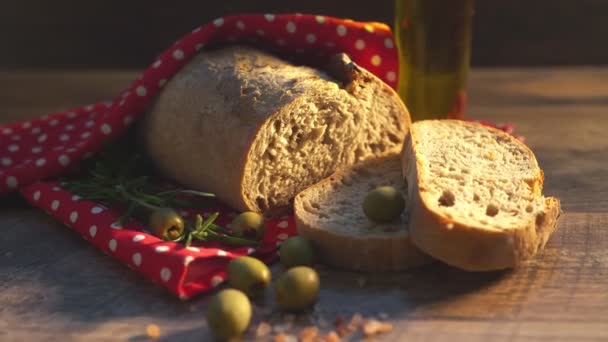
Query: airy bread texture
(330,214)
(475,196)
(256,130)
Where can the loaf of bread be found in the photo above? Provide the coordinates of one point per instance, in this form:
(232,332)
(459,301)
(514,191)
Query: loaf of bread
(331,216)
(475,196)
(256,130)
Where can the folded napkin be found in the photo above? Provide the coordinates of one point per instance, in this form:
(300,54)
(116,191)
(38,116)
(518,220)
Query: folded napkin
(34,152)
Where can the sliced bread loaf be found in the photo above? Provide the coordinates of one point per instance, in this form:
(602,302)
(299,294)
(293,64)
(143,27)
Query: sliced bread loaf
(475,196)
(330,214)
(256,130)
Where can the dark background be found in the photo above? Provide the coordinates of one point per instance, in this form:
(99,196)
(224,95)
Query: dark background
(129,33)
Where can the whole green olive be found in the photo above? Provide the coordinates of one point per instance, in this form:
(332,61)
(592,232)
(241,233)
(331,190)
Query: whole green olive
(228,314)
(296,251)
(297,289)
(249,275)
(166,223)
(248,223)
(383,204)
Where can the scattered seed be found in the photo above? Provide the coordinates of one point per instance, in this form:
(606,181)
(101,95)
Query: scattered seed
(285,338)
(332,337)
(374,327)
(153,331)
(263,329)
(308,334)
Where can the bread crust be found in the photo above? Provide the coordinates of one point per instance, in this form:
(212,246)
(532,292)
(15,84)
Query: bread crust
(394,252)
(204,124)
(467,246)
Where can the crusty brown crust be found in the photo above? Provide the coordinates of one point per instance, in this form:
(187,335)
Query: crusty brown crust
(466,246)
(395,252)
(204,140)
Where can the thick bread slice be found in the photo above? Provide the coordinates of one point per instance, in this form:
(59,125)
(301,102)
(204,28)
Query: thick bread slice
(330,214)
(475,196)
(256,130)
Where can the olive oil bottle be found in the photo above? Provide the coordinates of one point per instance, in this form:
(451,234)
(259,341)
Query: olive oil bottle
(434,40)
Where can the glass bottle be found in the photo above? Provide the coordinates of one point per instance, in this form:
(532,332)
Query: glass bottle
(434,40)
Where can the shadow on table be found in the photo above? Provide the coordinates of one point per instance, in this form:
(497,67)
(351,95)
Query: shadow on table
(52,272)
(194,334)
(381,296)
(578,178)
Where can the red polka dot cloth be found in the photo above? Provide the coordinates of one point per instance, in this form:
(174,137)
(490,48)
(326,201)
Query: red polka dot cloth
(47,147)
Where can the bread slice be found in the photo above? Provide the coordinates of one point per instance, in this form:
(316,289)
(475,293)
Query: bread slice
(330,214)
(475,196)
(256,130)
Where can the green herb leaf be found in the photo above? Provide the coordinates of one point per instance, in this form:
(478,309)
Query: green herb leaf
(119,176)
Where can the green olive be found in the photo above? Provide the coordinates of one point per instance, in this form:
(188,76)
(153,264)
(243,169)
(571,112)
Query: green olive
(249,275)
(166,223)
(248,223)
(297,289)
(228,314)
(296,251)
(383,204)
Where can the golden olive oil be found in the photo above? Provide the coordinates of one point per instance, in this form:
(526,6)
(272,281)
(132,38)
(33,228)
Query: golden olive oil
(434,40)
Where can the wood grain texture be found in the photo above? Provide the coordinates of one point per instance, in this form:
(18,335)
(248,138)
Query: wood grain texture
(54,286)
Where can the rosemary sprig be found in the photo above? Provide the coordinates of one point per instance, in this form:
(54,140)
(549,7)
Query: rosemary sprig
(116,177)
(207,230)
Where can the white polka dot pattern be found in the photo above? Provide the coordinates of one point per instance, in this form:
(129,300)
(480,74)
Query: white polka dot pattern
(137,259)
(63,160)
(96,210)
(165,274)
(138,237)
(93,230)
(359,44)
(11,182)
(161,249)
(291,27)
(106,129)
(141,91)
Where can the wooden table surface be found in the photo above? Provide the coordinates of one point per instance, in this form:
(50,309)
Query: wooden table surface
(54,286)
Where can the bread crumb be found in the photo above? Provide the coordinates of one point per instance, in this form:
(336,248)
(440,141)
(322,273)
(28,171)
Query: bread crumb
(263,329)
(355,322)
(374,327)
(343,329)
(308,334)
(153,331)
(285,338)
(281,328)
(449,226)
(332,337)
